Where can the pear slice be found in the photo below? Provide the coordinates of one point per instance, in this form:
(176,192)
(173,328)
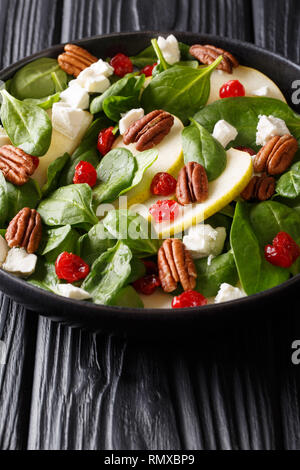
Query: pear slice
(170,160)
(222,191)
(60,144)
(251,78)
(158,299)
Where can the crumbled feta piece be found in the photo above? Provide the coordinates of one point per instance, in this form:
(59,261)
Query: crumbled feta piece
(129,118)
(224,132)
(72,292)
(19,262)
(67,120)
(91,80)
(3,250)
(202,240)
(4,139)
(169,48)
(228,292)
(76,97)
(268,127)
(262,91)
(102,68)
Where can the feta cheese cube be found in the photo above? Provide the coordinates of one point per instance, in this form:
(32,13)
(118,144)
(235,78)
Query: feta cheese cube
(102,68)
(66,120)
(3,250)
(4,139)
(224,132)
(92,81)
(169,48)
(76,97)
(262,91)
(72,292)
(129,118)
(228,292)
(202,241)
(268,127)
(19,262)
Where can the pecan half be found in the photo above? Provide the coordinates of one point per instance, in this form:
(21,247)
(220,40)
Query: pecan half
(192,184)
(277,155)
(208,54)
(75,59)
(25,230)
(259,188)
(149,130)
(16,165)
(175,265)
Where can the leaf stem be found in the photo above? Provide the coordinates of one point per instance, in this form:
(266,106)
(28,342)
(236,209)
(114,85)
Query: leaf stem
(159,54)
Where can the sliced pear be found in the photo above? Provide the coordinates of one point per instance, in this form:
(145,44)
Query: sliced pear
(222,191)
(158,299)
(60,144)
(251,78)
(170,160)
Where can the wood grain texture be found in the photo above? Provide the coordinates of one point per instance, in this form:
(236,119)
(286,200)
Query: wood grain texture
(234,389)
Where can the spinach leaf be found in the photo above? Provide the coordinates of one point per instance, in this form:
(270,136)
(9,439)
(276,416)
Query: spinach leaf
(44,103)
(28,126)
(109,274)
(92,244)
(60,81)
(44,276)
(34,80)
(288,184)
(143,161)
(53,174)
(199,146)
(210,277)
(255,273)
(134,229)
(179,90)
(129,86)
(3,200)
(114,106)
(243,113)
(148,56)
(138,269)
(68,205)
(127,297)
(57,240)
(2,232)
(116,172)
(27,195)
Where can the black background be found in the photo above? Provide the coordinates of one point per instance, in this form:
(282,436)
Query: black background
(63,388)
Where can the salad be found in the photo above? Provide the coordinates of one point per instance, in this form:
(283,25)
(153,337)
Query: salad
(166,179)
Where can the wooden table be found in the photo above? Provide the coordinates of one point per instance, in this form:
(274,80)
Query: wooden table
(63,388)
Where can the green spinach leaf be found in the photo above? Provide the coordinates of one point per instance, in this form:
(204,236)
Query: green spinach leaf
(288,184)
(148,56)
(143,161)
(44,103)
(27,195)
(44,276)
(53,174)
(127,297)
(3,200)
(92,244)
(28,126)
(210,277)
(114,106)
(57,240)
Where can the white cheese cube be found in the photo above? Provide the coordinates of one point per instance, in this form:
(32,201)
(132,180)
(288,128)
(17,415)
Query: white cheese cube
(202,241)
(102,68)
(268,127)
(76,97)
(3,250)
(169,48)
(129,118)
(4,139)
(72,292)
(92,81)
(228,292)
(66,120)
(19,262)
(262,91)
(224,132)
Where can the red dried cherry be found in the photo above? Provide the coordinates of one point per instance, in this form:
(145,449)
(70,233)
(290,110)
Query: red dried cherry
(71,267)
(151,267)
(147,284)
(166,210)
(121,64)
(148,70)
(284,251)
(232,89)
(85,173)
(36,161)
(190,298)
(246,149)
(163,184)
(106,138)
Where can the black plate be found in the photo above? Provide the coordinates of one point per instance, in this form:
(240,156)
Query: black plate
(158,321)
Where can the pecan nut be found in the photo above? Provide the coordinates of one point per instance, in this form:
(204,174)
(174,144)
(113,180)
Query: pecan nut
(207,54)
(149,130)
(25,230)
(175,264)
(277,155)
(259,188)
(75,59)
(192,184)
(16,165)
